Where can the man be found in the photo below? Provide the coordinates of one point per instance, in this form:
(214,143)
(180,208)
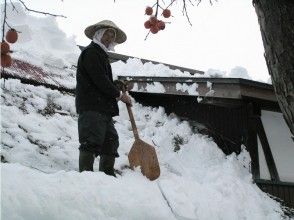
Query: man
(96,98)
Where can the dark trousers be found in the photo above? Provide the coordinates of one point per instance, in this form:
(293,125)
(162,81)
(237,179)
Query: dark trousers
(97,134)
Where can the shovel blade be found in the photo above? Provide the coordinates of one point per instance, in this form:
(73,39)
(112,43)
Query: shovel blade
(144,155)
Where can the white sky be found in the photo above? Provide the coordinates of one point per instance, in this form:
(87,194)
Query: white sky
(223,36)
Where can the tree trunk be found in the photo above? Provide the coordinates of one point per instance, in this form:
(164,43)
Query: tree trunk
(276,20)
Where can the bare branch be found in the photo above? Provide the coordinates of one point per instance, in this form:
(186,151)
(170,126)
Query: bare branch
(171,3)
(160,7)
(39,12)
(157,5)
(8,25)
(13,6)
(154,4)
(147,35)
(4,21)
(186,12)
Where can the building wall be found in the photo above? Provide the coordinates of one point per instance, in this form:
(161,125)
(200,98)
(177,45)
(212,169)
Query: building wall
(280,142)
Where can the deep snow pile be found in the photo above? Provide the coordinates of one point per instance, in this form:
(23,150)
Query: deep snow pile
(135,67)
(40,179)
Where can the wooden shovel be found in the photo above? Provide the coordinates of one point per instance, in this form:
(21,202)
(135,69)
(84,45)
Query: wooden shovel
(142,154)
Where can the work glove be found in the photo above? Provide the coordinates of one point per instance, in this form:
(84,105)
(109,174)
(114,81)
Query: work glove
(120,85)
(125,98)
(123,87)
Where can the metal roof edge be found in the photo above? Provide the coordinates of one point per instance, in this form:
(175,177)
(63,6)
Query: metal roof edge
(240,81)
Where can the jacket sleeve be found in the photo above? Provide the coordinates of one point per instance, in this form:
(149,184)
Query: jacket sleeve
(96,70)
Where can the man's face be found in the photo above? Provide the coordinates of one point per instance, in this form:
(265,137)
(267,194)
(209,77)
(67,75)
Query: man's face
(108,37)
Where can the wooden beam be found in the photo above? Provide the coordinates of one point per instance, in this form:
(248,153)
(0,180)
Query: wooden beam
(252,144)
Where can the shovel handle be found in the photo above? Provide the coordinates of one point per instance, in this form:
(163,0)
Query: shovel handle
(132,119)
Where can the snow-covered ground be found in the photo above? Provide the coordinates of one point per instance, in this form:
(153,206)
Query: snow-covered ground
(40,178)
(39,152)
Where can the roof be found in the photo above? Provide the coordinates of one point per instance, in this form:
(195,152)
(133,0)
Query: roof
(35,75)
(226,88)
(229,88)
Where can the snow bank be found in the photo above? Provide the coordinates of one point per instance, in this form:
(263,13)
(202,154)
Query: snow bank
(39,142)
(40,42)
(239,72)
(135,67)
(73,195)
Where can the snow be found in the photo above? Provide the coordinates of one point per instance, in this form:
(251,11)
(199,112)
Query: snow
(73,195)
(39,150)
(239,72)
(135,67)
(191,89)
(155,87)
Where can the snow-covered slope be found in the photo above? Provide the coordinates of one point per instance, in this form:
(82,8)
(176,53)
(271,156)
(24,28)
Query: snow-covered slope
(40,179)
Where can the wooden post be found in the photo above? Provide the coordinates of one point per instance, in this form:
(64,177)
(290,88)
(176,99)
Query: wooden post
(252,142)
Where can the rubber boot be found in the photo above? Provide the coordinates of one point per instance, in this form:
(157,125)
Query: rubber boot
(86,161)
(106,164)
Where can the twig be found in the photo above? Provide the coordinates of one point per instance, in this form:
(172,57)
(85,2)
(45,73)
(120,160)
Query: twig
(4,21)
(153,5)
(9,25)
(186,12)
(40,12)
(147,35)
(171,3)
(157,5)
(13,6)
(191,2)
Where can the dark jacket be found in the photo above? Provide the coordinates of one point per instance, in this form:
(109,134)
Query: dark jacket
(95,90)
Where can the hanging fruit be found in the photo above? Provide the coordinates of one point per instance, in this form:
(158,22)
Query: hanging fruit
(6,60)
(5,48)
(154,24)
(166,13)
(153,20)
(148,10)
(147,24)
(161,25)
(154,29)
(11,36)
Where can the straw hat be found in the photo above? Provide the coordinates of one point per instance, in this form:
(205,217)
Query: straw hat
(120,35)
